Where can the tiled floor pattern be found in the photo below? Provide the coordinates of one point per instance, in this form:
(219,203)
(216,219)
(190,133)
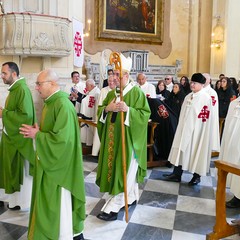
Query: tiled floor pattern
(166,210)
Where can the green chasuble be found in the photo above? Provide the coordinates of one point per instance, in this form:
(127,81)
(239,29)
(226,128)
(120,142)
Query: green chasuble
(58,165)
(109,173)
(14,148)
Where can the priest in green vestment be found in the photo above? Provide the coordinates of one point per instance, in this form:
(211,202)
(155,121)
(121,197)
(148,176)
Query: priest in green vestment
(15,151)
(110,171)
(58,197)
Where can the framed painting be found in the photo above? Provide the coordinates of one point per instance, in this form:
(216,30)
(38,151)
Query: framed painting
(139,21)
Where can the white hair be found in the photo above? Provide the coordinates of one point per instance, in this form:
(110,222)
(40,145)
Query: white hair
(141,73)
(208,78)
(91,82)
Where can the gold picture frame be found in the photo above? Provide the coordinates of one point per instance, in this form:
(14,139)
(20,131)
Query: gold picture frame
(138,21)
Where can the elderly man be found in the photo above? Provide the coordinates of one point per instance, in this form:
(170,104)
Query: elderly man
(58,197)
(89,111)
(148,88)
(103,93)
(169,83)
(110,171)
(191,146)
(15,151)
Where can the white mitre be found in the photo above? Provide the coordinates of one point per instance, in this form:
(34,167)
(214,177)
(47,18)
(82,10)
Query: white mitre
(126,63)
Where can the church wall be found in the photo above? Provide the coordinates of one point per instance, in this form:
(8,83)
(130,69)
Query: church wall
(177,45)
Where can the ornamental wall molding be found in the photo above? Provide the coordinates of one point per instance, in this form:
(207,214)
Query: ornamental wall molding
(34,35)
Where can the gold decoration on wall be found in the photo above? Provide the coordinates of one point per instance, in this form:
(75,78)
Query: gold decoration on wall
(218,34)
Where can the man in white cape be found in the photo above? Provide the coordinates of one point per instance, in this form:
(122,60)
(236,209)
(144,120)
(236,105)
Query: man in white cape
(230,151)
(103,93)
(190,149)
(215,142)
(89,110)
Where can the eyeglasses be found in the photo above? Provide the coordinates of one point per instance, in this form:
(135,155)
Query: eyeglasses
(40,83)
(167,78)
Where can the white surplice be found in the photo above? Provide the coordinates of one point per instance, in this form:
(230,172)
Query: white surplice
(191,143)
(89,109)
(148,89)
(22,198)
(215,142)
(96,142)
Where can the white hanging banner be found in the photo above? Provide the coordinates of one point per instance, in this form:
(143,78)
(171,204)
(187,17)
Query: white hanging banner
(78,43)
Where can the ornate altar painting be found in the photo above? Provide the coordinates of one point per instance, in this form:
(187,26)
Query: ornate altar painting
(139,21)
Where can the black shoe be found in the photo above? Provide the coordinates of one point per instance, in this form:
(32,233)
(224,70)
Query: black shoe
(133,203)
(112,216)
(168,164)
(78,237)
(233,203)
(172,177)
(194,181)
(1,204)
(14,208)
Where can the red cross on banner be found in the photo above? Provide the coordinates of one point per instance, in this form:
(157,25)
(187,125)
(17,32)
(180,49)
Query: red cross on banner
(78,43)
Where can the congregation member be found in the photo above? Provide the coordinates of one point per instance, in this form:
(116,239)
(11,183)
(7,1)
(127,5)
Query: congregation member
(58,195)
(103,93)
(161,90)
(16,153)
(230,150)
(169,83)
(238,89)
(110,172)
(147,88)
(77,90)
(217,86)
(190,149)
(166,114)
(225,96)
(109,73)
(89,111)
(184,81)
(176,98)
(234,85)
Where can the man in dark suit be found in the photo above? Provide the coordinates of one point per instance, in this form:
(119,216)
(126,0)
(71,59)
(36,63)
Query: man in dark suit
(105,82)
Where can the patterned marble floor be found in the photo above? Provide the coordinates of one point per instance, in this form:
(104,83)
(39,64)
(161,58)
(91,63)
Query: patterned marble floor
(166,210)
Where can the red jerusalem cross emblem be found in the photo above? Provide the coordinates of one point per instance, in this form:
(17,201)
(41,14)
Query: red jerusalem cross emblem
(77,44)
(91,102)
(162,111)
(213,100)
(204,114)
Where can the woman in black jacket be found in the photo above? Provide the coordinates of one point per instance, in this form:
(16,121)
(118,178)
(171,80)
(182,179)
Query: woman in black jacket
(184,81)
(161,90)
(176,98)
(225,96)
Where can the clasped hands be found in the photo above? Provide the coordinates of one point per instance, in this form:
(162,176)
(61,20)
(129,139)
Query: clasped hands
(116,107)
(74,94)
(29,131)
